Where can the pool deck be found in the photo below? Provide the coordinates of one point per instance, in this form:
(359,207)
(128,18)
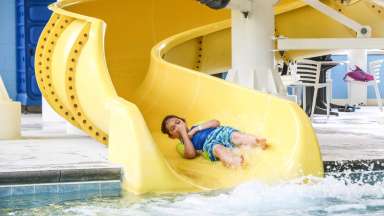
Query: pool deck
(352,141)
(352,136)
(47,152)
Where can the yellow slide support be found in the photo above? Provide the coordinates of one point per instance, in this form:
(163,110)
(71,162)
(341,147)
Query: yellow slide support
(114,70)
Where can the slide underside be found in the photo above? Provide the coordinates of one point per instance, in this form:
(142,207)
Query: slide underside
(115,68)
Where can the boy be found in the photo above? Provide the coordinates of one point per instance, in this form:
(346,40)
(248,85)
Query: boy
(217,141)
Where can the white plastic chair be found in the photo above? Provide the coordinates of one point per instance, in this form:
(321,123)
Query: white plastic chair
(308,72)
(375,70)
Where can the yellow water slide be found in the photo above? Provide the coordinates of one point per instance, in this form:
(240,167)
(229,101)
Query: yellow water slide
(115,68)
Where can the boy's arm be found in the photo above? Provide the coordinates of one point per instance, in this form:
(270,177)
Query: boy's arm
(189,150)
(209,124)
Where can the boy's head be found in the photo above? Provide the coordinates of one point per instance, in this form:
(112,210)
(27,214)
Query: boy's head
(168,126)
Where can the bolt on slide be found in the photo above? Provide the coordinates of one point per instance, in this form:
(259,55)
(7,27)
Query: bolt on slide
(115,68)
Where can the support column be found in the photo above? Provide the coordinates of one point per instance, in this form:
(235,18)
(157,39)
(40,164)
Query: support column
(357,93)
(253,25)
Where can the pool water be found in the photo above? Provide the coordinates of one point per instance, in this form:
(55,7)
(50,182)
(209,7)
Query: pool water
(329,196)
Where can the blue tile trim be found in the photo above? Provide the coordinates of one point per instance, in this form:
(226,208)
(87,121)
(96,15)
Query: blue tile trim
(92,186)
(110,186)
(81,189)
(69,188)
(47,189)
(5,191)
(23,190)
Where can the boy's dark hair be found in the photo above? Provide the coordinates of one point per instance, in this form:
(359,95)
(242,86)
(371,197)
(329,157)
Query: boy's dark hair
(164,128)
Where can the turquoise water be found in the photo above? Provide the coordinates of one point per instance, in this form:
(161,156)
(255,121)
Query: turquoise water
(329,196)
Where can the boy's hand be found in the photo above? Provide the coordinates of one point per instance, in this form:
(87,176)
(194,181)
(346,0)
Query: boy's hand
(181,128)
(192,132)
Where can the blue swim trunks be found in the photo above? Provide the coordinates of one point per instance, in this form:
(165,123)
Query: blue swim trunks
(221,135)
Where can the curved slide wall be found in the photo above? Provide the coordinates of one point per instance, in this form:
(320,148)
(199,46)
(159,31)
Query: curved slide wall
(116,69)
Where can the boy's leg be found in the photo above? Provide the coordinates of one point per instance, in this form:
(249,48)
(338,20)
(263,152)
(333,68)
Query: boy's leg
(243,139)
(227,156)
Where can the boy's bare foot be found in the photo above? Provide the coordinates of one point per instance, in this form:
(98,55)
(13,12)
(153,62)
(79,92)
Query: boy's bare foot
(232,158)
(262,142)
(233,162)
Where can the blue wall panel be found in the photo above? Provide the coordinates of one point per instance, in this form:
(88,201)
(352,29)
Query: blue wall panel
(31,18)
(8,46)
(337,74)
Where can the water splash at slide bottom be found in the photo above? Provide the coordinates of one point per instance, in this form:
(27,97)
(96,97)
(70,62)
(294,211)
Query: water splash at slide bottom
(329,196)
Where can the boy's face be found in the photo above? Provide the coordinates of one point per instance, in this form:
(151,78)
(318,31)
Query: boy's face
(173,125)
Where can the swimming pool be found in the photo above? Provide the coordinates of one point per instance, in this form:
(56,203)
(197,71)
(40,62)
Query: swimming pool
(329,196)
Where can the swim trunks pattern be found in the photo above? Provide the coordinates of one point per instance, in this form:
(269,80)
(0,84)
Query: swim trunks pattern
(221,135)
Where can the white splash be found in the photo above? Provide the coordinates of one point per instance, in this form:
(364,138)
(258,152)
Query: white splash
(327,197)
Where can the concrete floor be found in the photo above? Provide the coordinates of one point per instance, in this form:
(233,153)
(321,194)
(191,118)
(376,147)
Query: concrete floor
(351,136)
(50,147)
